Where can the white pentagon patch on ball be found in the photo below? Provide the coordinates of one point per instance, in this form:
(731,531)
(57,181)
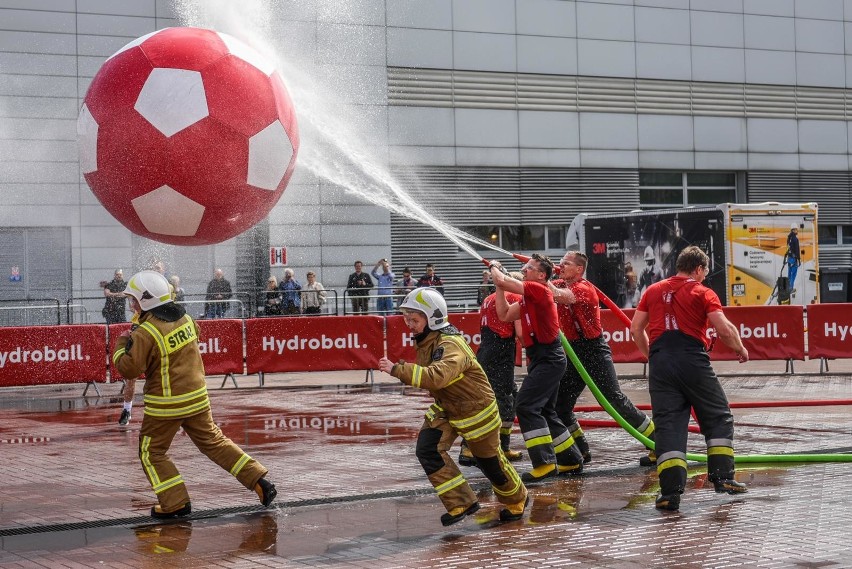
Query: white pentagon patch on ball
(168,212)
(87,134)
(172,99)
(247,54)
(266,161)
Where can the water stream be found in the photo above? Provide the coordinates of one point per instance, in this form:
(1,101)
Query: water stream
(331,148)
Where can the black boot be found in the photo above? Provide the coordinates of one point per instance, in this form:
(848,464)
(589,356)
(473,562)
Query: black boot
(729,486)
(668,502)
(583,447)
(157,512)
(449,518)
(650,460)
(466,457)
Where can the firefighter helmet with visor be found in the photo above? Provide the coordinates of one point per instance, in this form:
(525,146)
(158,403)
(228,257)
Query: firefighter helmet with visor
(149,288)
(430,302)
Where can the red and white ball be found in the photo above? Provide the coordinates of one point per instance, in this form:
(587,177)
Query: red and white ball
(187,136)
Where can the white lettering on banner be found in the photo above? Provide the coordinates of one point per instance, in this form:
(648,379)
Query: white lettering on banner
(46,355)
(770,330)
(211,346)
(475,340)
(24,440)
(316,423)
(831,329)
(618,336)
(296,343)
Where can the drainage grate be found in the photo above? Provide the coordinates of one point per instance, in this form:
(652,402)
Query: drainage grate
(212,513)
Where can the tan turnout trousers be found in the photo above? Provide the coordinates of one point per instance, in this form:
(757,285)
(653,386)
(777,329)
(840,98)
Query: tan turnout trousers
(156,438)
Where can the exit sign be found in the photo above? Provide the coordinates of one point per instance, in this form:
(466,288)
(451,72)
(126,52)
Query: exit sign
(277,256)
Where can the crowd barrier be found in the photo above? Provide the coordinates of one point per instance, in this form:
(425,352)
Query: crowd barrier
(40,355)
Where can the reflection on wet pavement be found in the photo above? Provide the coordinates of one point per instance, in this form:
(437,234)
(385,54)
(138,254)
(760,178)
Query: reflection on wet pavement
(352,493)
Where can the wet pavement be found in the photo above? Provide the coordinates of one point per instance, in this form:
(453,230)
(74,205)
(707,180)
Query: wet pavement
(352,494)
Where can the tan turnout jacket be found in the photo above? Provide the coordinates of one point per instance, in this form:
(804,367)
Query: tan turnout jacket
(447,368)
(167,353)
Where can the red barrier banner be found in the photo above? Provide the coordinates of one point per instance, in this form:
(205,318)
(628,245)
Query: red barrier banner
(52,354)
(469,325)
(767,332)
(114,331)
(617,335)
(326,343)
(829,331)
(401,342)
(220,343)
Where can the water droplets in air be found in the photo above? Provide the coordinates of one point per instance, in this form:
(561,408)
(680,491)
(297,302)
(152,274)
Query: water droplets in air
(333,147)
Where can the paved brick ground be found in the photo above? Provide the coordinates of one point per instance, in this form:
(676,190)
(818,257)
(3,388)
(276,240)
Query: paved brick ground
(353,495)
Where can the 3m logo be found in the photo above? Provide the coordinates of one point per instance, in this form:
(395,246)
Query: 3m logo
(598,248)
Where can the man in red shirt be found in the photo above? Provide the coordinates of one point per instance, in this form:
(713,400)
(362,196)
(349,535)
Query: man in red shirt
(496,355)
(580,320)
(549,442)
(669,327)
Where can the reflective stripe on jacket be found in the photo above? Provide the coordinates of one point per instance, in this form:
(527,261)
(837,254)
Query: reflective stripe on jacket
(167,353)
(447,368)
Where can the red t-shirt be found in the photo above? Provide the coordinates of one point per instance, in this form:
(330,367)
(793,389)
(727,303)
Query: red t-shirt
(583,318)
(488,315)
(539,319)
(690,305)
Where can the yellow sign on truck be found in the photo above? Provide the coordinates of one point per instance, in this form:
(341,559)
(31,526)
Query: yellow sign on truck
(761,262)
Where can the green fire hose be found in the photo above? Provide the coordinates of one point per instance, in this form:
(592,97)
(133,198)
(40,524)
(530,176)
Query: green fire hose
(754,458)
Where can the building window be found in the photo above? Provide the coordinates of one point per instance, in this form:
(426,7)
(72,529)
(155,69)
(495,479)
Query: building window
(659,189)
(828,234)
(516,238)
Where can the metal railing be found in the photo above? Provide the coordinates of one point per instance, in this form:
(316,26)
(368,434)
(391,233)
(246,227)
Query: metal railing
(242,304)
(30,312)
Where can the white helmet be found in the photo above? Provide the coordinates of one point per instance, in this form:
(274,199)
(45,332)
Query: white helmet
(430,302)
(150,288)
(794,225)
(649,253)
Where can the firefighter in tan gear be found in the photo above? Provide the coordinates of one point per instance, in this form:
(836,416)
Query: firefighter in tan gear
(464,405)
(164,346)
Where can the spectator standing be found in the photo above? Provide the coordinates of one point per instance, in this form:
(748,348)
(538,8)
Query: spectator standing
(384,303)
(272,301)
(313,295)
(669,328)
(406,285)
(114,313)
(430,279)
(486,287)
(218,290)
(359,285)
(116,301)
(291,300)
(178,293)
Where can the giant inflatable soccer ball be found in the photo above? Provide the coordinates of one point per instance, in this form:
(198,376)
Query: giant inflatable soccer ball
(187,136)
